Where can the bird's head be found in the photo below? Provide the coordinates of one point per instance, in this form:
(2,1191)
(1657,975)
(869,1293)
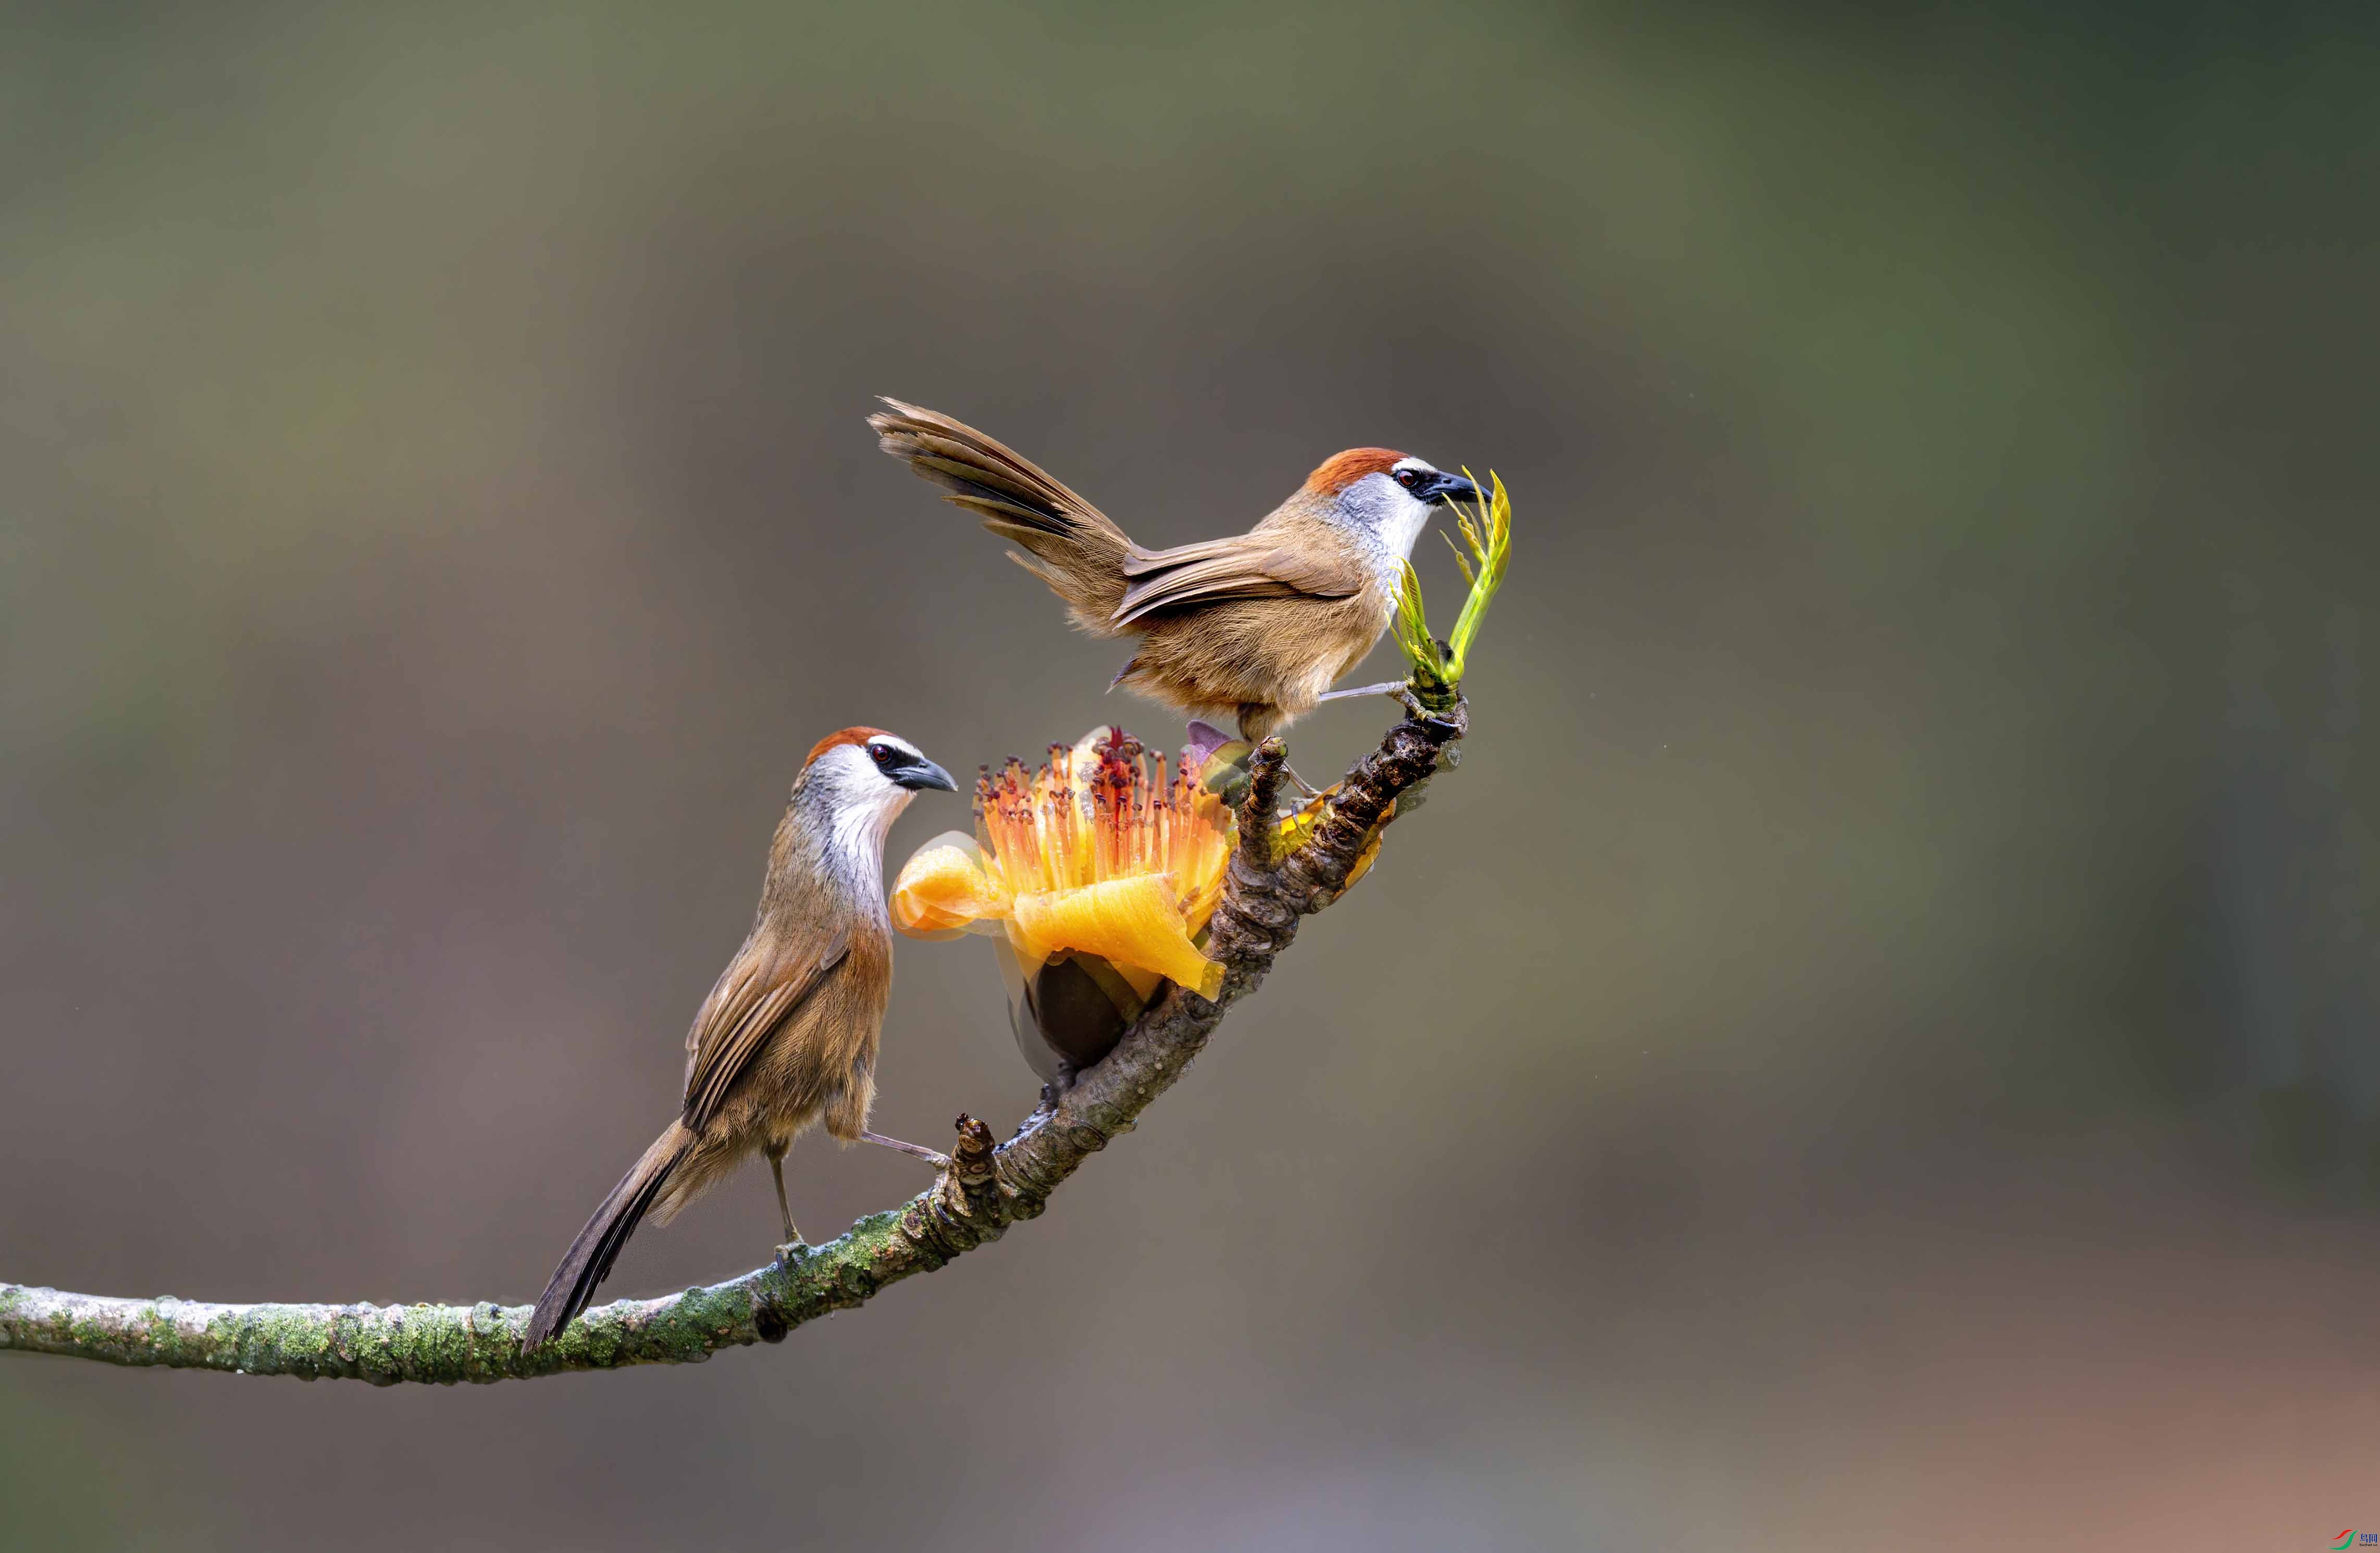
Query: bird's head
(857,781)
(1384,494)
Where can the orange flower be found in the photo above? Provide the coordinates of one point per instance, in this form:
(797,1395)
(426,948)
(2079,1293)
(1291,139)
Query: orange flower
(1099,853)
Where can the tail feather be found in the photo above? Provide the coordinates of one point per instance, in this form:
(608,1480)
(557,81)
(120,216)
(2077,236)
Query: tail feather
(1072,545)
(589,1261)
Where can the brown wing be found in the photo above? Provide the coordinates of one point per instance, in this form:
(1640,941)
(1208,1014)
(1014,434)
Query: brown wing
(759,990)
(1242,567)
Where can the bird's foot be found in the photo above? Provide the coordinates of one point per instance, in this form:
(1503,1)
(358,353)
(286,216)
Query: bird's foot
(1420,711)
(793,1251)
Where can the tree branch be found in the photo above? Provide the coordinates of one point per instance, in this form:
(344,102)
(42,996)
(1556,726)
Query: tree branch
(984,1191)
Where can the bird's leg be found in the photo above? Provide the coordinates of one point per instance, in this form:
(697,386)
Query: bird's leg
(777,1169)
(939,1160)
(1303,786)
(1385,688)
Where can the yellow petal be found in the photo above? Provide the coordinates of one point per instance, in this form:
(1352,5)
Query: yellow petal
(1130,922)
(942,890)
(1201,905)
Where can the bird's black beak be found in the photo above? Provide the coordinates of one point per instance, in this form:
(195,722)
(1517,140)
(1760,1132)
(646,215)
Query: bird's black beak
(1438,487)
(921,774)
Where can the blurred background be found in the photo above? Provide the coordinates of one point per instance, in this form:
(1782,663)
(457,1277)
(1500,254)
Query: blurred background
(1875,1044)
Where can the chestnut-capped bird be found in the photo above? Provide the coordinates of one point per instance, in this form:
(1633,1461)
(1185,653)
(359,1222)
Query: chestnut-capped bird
(1256,625)
(787,1038)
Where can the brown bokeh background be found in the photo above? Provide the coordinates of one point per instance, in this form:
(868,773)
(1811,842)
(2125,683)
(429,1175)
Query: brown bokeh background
(1874,1046)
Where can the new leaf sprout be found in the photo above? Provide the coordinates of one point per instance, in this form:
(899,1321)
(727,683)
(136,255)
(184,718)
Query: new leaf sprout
(1487,529)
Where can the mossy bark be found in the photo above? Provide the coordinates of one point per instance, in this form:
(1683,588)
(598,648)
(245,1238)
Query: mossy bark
(984,1191)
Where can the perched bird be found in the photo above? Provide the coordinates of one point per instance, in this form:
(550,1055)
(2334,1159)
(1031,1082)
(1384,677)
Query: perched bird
(788,1035)
(1258,625)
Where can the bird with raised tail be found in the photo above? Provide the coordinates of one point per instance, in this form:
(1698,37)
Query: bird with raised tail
(787,1038)
(1257,626)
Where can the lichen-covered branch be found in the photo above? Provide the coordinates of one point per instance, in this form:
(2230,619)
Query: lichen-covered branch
(984,1191)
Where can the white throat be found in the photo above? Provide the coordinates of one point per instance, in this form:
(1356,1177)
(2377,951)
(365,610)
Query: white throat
(1405,522)
(855,839)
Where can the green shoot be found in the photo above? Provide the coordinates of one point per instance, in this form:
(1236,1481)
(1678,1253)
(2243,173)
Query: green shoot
(1486,529)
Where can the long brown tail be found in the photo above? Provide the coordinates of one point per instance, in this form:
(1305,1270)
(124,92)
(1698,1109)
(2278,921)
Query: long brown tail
(589,1261)
(1074,546)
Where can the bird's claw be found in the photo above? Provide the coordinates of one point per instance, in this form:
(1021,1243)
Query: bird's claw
(1421,712)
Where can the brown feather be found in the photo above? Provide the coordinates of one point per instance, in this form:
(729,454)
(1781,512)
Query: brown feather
(1251,565)
(839,737)
(765,985)
(1340,470)
(1324,573)
(1140,563)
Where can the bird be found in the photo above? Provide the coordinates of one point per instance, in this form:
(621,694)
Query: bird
(1257,626)
(788,1036)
